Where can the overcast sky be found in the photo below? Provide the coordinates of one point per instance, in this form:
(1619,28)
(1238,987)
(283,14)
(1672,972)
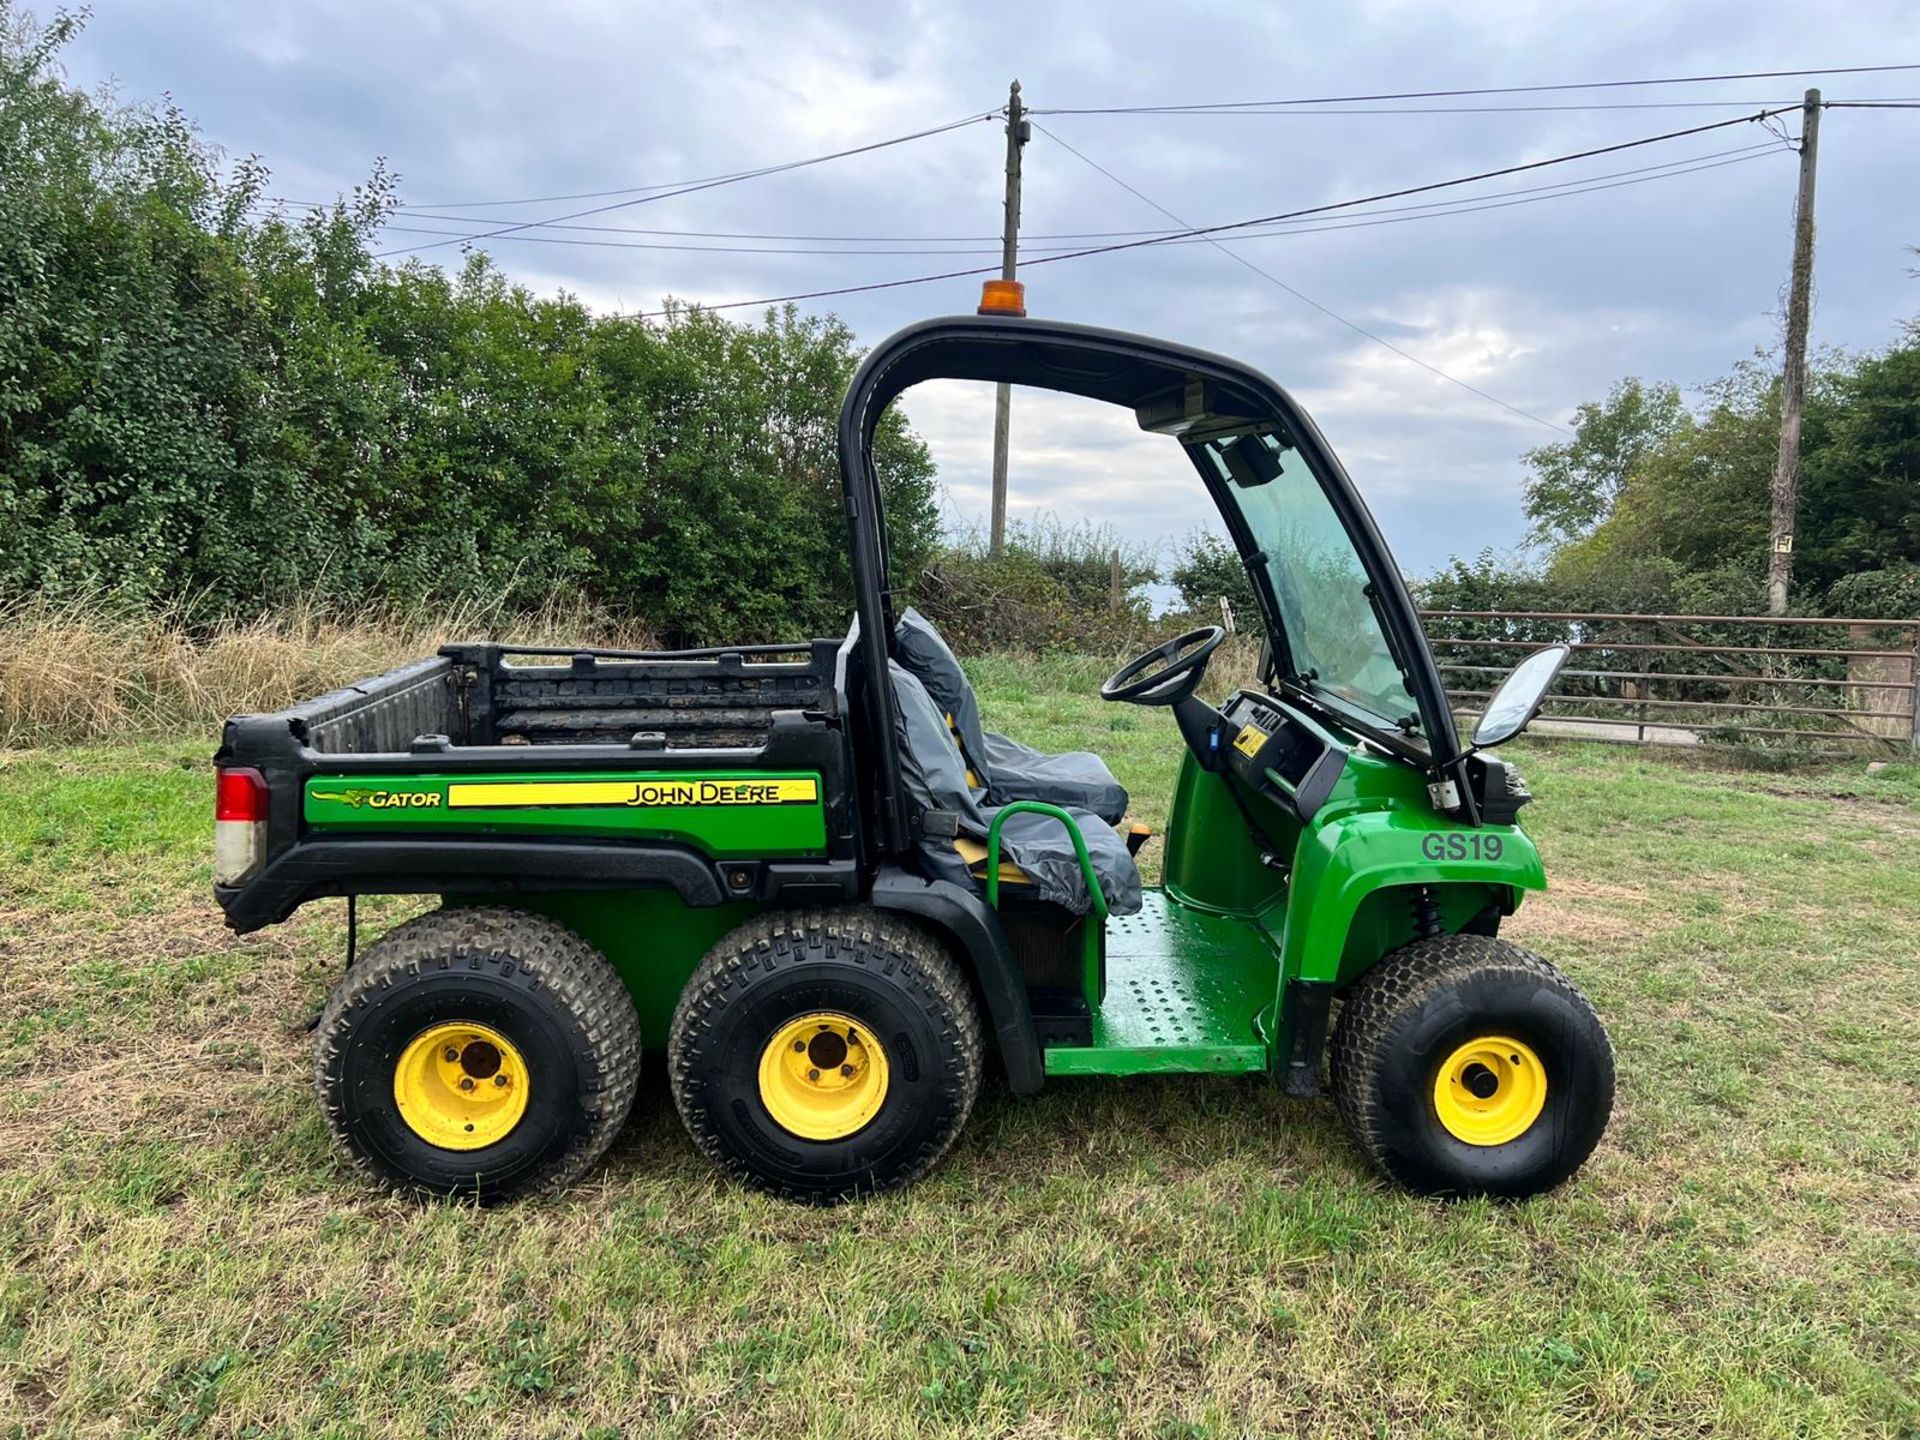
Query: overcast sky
(1540,304)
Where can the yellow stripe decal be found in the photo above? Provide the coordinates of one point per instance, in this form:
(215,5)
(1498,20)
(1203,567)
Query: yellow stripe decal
(637,793)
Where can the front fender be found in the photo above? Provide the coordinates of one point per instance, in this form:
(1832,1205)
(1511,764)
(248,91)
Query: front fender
(1346,857)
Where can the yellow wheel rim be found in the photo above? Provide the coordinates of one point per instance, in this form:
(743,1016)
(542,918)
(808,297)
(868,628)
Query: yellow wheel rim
(823,1076)
(1490,1090)
(461,1086)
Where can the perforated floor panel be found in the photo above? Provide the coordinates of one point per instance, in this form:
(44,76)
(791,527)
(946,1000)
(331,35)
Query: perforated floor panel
(1184,989)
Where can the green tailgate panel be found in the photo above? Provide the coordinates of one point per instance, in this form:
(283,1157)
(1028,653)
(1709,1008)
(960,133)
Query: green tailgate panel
(1187,991)
(731,814)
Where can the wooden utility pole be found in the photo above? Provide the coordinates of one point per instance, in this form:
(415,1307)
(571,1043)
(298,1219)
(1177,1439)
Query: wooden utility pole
(1793,378)
(1017,132)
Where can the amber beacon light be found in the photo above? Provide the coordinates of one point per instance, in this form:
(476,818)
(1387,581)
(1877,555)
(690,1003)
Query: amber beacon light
(1003,297)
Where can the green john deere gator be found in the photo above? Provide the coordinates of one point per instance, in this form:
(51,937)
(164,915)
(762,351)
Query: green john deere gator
(812,877)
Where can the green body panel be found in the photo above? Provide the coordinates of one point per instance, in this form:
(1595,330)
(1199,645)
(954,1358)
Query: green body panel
(1339,906)
(651,938)
(1378,831)
(730,814)
(1211,862)
(1187,991)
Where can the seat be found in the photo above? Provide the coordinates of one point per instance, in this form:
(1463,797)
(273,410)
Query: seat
(953,824)
(1003,768)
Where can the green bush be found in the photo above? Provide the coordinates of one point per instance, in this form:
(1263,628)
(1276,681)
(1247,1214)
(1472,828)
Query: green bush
(1207,570)
(1051,588)
(221,414)
(1889,594)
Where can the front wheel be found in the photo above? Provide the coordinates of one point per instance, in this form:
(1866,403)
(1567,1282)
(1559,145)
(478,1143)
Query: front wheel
(1465,1065)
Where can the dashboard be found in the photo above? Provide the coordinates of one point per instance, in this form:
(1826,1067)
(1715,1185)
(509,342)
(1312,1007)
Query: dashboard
(1276,753)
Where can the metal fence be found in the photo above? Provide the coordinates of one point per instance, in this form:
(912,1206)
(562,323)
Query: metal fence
(1684,679)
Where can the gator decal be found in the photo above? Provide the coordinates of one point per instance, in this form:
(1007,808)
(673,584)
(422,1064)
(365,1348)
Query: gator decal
(382,799)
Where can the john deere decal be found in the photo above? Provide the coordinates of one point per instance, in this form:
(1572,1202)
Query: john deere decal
(633,793)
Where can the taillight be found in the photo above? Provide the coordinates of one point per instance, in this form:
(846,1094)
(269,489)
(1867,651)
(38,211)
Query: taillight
(239,824)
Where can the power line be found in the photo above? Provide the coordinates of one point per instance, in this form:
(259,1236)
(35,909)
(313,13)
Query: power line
(1284,111)
(1391,215)
(1470,208)
(1258,220)
(698,249)
(1298,294)
(1252,107)
(268,204)
(576,195)
(1464,93)
(697,182)
(704,184)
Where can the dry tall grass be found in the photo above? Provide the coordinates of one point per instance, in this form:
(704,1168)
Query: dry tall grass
(85,670)
(75,671)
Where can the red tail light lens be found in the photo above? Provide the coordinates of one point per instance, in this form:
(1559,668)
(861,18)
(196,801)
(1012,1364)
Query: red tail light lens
(239,824)
(240,795)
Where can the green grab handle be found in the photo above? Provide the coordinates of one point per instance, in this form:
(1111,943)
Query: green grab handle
(1036,807)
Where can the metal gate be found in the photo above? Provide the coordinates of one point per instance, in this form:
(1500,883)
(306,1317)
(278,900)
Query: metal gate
(1682,679)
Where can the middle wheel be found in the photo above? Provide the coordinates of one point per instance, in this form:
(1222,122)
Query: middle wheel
(825,1055)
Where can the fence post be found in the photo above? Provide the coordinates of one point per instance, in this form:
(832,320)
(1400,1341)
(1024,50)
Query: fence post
(1114,592)
(1913,688)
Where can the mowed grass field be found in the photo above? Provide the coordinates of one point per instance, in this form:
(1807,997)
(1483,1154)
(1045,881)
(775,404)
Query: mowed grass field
(181,1253)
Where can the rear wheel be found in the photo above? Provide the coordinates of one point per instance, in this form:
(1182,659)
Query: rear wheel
(481,1052)
(1465,1065)
(825,1055)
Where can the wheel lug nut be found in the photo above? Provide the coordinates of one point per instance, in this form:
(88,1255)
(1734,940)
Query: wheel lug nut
(499,1080)
(452,1055)
(799,1045)
(467,1084)
(846,1070)
(813,1074)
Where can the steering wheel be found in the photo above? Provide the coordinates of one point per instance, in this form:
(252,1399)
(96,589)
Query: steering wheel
(1166,674)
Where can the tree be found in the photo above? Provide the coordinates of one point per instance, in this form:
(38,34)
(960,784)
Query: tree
(1575,482)
(1655,506)
(1206,570)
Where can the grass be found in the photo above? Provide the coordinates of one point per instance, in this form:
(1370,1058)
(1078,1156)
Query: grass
(86,670)
(181,1253)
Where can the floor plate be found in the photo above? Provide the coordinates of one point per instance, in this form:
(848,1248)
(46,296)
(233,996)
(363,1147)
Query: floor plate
(1184,989)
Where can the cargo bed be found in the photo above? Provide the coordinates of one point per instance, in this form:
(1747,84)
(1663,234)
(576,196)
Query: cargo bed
(501,768)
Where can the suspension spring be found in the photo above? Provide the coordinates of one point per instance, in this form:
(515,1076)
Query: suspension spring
(1426,914)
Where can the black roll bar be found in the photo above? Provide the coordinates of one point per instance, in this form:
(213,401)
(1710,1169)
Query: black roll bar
(1122,369)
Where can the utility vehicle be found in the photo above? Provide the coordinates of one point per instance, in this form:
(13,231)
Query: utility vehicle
(809,874)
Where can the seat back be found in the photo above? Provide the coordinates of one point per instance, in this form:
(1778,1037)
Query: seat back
(1037,847)
(935,777)
(925,652)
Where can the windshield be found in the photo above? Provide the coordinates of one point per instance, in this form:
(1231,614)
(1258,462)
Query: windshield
(1339,649)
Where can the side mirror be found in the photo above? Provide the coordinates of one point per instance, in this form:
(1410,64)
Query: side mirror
(1519,697)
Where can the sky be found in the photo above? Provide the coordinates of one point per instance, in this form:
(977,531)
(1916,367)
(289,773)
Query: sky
(1542,304)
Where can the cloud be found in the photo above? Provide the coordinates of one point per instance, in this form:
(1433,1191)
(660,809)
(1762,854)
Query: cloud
(1543,304)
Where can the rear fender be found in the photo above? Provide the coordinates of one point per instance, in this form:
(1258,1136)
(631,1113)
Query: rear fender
(974,929)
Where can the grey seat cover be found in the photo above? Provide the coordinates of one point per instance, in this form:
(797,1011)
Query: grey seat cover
(1073,779)
(935,776)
